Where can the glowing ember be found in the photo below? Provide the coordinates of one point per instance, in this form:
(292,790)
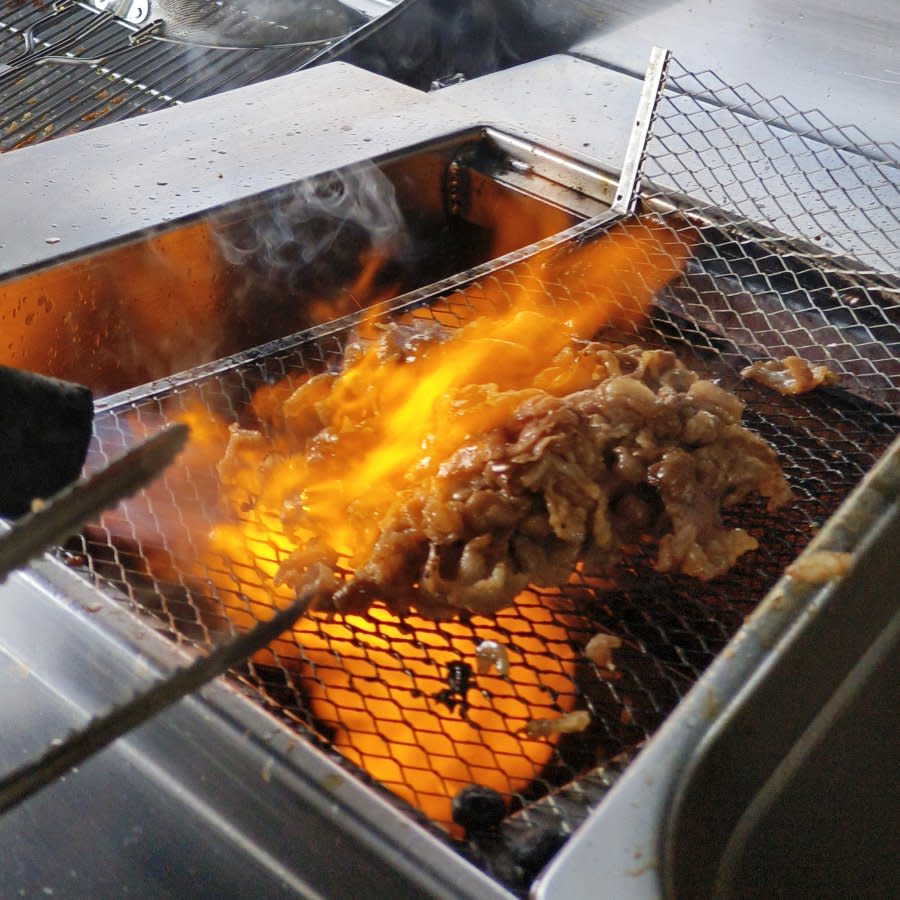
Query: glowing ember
(389,708)
(381,685)
(385,690)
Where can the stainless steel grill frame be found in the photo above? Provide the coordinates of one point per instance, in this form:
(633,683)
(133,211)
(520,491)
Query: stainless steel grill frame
(673,628)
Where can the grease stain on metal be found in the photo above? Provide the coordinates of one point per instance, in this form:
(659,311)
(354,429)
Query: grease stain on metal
(332,782)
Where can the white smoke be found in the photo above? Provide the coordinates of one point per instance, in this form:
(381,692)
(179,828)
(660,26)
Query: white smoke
(297,227)
(292,259)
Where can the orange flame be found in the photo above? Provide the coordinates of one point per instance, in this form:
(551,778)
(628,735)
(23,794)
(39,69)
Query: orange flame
(380,691)
(375,682)
(363,291)
(394,423)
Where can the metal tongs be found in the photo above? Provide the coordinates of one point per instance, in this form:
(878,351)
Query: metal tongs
(51,524)
(63,514)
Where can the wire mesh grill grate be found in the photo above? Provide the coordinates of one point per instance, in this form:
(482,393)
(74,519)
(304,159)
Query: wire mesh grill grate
(49,101)
(381,691)
(801,228)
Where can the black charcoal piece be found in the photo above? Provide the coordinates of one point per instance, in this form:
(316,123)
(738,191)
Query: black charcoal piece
(478,808)
(534,848)
(45,428)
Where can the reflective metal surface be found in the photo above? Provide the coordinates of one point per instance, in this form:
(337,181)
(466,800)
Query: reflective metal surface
(820,54)
(188,804)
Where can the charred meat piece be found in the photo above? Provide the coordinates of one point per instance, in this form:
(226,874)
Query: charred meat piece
(791,375)
(603,447)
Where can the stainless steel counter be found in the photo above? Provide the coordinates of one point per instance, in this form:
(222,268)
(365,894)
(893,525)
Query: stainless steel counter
(841,58)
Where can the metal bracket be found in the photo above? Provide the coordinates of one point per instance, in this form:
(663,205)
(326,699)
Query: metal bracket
(626,192)
(148,32)
(633,162)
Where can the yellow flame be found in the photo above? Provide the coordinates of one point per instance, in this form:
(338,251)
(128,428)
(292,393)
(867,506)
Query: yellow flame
(394,422)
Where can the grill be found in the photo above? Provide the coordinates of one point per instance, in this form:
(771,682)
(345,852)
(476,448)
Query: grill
(794,230)
(125,70)
(131,79)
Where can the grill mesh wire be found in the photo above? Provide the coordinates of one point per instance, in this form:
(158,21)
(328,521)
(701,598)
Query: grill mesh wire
(50,101)
(808,193)
(751,290)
